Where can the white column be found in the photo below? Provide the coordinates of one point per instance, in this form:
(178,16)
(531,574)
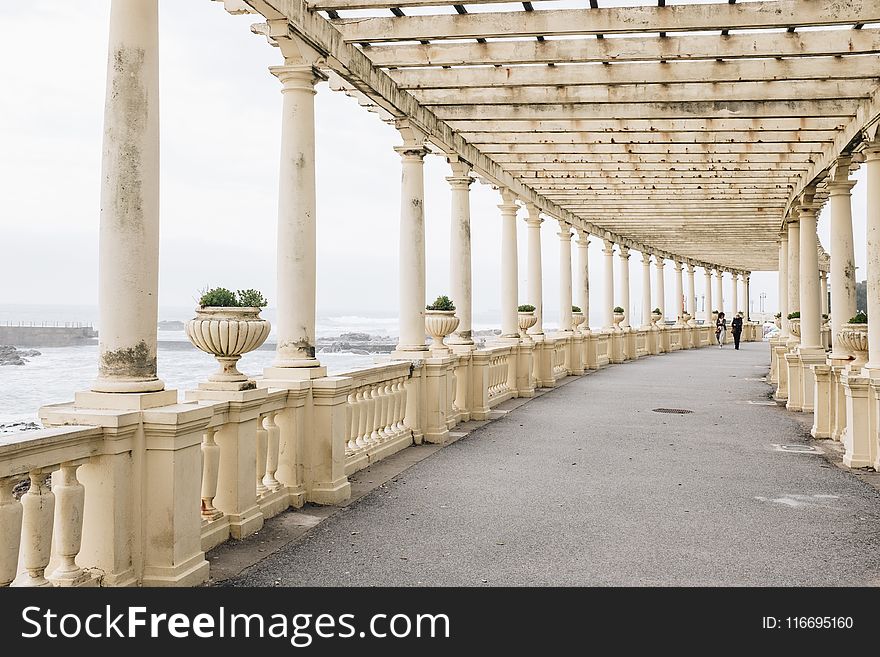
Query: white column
(564,276)
(509,272)
(707,313)
(609,284)
(746,296)
(823,292)
(128,250)
(460,278)
(691,293)
(412,244)
(582,291)
(679,291)
(811,319)
(646,291)
(843,264)
(735,303)
(783,284)
(660,302)
(623,254)
(535,275)
(296,245)
(719,290)
(794,264)
(872,179)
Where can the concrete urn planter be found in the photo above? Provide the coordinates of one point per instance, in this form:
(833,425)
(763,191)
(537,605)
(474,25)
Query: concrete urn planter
(577,319)
(794,325)
(855,338)
(778,322)
(226,333)
(655,317)
(526,321)
(618,318)
(439,324)
(686,317)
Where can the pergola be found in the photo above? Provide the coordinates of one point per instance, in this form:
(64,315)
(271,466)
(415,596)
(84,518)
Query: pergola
(689,129)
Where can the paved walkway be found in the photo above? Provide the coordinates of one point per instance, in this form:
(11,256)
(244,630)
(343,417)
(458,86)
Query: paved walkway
(587,486)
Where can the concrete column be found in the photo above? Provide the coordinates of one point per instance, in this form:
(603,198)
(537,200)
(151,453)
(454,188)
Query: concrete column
(128,250)
(582,280)
(843,264)
(609,285)
(719,290)
(811,320)
(509,272)
(646,291)
(794,264)
(707,314)
(660,302)
(623,254)
(296,245)
(564,277)
(679,292)
(691,293)
(735,304)
(823,292)
(783,284)
(872,274)
(460,278)
(746,296)
(535,275)
(411,276)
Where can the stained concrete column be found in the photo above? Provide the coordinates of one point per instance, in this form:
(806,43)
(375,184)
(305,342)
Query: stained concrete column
(509,272)
(646,291)
(843,264)
(623,254)
(811,319)
(679,292)
(719,290)
(707,313)
(564,277)
(660,302)
(872,274)
(794,264)
(412,244)
(735,302)
(460,278)
(823,292)
(535,275)
(128,249)
(691,293)
(746,296)
(296,245)
(608,315)
(783,284)
(582,279)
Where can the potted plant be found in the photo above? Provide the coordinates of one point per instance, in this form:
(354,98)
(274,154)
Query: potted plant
(794,323)
(656,316)
(778,320)
(527,319)
(228,324)
(619,315)
(854,336)
(577,317)
(440,321)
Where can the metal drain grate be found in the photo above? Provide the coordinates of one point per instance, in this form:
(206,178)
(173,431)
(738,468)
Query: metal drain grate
(674,411)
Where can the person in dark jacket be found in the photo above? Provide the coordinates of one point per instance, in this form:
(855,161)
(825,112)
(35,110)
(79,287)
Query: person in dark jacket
(736,328)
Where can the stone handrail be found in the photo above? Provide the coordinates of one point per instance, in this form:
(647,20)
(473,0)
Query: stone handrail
(44,525)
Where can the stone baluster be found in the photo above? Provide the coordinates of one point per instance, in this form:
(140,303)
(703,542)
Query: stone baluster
(210,473)
(70,496)
(38,512)
(262,449)
(10,530)
(274,442)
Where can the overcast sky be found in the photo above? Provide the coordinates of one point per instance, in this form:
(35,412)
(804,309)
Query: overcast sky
(220,124)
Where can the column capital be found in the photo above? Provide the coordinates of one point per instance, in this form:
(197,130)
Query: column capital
(840,187)
(872,151)
(533,217)
(296,77)
(659,261)
(412,151)
(583,237)
(508,200)
(564,231)
(691,268)
(460,182)
(624,253)
(677,265)
(609,247)
(646,259)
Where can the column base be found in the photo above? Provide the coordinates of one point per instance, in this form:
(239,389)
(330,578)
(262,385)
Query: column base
(281,374)
(191,572)
(330,493)
(124,401)
(242,525)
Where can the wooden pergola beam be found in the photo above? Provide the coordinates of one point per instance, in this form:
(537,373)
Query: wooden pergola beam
(658,126)
(744,149)
(551,141)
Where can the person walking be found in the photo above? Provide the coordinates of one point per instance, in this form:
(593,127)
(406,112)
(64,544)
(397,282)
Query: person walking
(720,330)
(736,328)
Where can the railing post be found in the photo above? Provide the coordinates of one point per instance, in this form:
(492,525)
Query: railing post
(10,530)
(480,385)
(70,500)
(38,507)
(324,448)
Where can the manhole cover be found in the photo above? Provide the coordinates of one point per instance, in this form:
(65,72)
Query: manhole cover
(674,411)
(802,449)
